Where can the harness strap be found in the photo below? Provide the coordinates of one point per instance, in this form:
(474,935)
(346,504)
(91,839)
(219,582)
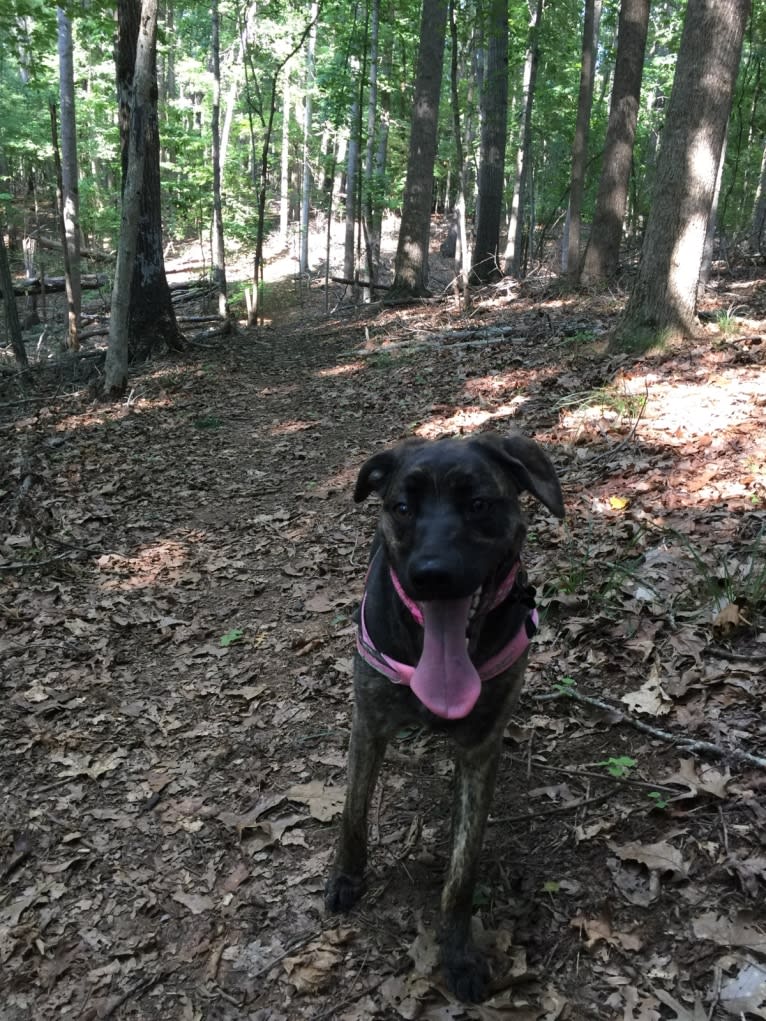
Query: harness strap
(401,673)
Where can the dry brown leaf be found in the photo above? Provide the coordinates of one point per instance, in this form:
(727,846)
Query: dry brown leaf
(196,903)
(727,933)
(660,857)
(324,802)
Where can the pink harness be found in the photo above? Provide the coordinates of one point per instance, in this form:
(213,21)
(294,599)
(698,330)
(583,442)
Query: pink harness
(401,673)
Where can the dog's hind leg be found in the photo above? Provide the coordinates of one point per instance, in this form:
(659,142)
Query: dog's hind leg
(365,756)
(465,969)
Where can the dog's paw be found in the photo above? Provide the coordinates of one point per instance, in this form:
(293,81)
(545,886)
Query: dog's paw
(467,974)
(341,892)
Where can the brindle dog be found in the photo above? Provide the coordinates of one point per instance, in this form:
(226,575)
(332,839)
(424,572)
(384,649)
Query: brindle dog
(443,635)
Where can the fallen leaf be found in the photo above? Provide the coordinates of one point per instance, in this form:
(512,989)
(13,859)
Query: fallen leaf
(195,902)
(324,802)
(726,933)
(660,857)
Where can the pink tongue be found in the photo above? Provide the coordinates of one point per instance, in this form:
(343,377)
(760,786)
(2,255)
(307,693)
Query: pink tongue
(445,679)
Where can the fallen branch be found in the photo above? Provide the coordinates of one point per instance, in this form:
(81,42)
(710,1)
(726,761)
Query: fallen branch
(360,283)
(443,341)
(685,743)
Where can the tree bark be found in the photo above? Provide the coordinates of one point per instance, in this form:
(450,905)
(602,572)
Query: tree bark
(411,266)
(602,253)
(371,197)
(352,176)
(494,105)
(219,251)
(307,129)
(70,191)
(143,80)
(460,225)
(284,166)
(11,312)
(663,300)
(152,324)
(571,262)
(514,251)
(759,210)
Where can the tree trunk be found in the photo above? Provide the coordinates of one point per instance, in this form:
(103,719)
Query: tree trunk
(514,246)
(70,190)
(73,339)
(662,302)
(571,261)
(152,326)
(11,312)
(759,209)
(602,253)
(219,251)
(143,80)
(706,264)
(494,106)
(371,198)
(284,166)
(352,175)
(460,224)
(411,266)
(307,129)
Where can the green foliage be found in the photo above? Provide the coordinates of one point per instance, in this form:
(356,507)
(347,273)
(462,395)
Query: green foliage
(619,766)
(235,635)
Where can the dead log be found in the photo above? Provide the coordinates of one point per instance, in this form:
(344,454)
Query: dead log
(53,285)
(87,253)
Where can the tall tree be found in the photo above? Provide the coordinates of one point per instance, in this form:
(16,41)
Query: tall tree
(219,257)
(70,175)
(602,252)
(571,262)
(153,326)
(411,266)
(308,113)
(143,79)
(11,311)
(494,108)
(663,298)
(514,251)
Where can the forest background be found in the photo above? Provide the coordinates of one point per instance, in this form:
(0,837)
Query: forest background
(276,121)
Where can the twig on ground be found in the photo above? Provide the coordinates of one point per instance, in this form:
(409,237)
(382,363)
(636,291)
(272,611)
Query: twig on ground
(558,810)
(685,743)
(134,992)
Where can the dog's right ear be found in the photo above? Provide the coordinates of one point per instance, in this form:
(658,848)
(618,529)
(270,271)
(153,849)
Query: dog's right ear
(374,474)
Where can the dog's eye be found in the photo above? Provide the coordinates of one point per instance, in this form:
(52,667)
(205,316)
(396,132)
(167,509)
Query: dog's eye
(402,510)
(479,506)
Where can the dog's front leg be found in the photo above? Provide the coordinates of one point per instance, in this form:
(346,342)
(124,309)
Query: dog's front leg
(365,756)
(466,971)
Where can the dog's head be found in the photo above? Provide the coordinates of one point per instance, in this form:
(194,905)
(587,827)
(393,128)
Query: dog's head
(451,517)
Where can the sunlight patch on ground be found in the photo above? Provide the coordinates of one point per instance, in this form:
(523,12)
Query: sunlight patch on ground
(466,420)
(293,426)
(163,562)
(341,370)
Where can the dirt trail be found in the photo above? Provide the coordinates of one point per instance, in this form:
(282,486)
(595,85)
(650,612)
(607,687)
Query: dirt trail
(176,682)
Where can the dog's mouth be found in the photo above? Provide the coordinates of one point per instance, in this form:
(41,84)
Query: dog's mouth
(445,680)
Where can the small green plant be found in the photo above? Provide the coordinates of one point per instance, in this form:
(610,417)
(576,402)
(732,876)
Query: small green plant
(658,800)
(618,766)
(565,685)
(551,886)
(727,321)
(235,635)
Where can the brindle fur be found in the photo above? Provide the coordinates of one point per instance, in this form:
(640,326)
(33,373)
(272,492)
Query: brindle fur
(462,528)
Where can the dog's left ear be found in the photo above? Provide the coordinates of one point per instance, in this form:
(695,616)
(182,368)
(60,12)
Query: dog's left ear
(530,466)
(374,474)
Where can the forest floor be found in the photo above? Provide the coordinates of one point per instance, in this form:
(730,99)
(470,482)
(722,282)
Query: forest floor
(178,577)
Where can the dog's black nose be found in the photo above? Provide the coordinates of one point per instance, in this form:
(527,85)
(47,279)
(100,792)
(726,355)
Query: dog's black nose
(431,577)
